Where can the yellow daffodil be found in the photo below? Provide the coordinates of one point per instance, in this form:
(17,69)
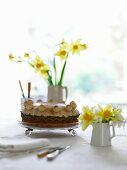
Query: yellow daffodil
(100,114)
(11,57)
(63,50)
(62,53)
(87,117)
(117,114)
(46,67)
(55,76)
(64,45)
(38,63)
(76,47)
(44,71)
(105,112)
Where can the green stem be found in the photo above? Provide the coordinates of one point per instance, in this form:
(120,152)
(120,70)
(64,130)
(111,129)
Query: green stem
(62,72)
(55,71)
(49,79)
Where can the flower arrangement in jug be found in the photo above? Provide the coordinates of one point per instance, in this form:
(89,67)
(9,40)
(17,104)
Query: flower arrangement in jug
(99,114)
(54,75)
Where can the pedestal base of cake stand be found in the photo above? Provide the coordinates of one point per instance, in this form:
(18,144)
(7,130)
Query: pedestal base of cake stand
(30,127)
(71,131)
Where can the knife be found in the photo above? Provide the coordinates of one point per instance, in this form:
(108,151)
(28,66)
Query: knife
(54,154)
(48,151)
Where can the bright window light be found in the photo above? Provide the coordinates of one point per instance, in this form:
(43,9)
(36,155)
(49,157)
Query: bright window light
(38,25)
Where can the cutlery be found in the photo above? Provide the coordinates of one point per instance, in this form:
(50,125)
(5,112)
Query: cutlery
(54,154)
(48,151)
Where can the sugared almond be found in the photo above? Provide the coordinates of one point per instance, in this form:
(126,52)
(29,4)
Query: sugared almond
(68,108)
(73,104)
(39,101)
(56,109)
(29,107)
(41,108)
(30,102)
(25,103)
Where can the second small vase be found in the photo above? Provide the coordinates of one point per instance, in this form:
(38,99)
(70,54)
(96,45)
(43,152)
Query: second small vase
(101,135)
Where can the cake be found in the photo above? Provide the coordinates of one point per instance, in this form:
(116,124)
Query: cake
(49,114)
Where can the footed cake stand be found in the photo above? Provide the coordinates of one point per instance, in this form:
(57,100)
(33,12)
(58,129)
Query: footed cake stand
(30,127)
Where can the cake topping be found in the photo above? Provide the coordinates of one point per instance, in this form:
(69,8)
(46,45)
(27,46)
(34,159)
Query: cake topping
(30,102)
(62,112)
(73,104)
(29,107)
(56,109)
(41,108)
(39,101)
(68,108)
(49,108)
(50,100)
(25,103)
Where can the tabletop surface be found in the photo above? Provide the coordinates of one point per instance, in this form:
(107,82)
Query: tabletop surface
(81,155)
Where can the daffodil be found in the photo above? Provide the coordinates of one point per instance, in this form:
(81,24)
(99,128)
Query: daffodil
(11,56)
(87,117)
(64,44)
(38,63)
(106,113)
(100,114)
(44,73)
(76,47)
(62,53)
(63,50)
(53,76)
(117,114)
(43,70)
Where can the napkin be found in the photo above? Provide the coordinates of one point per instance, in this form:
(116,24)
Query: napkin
(22,143)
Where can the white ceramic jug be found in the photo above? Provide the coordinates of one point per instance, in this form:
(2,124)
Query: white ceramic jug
(57,93)
(101,135)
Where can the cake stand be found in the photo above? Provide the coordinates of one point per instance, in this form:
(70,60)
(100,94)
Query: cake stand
(30,127)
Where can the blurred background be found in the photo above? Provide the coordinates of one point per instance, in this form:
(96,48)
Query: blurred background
(99,75)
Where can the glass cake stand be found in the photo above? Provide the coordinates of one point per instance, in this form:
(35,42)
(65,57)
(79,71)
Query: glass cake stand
(70,127)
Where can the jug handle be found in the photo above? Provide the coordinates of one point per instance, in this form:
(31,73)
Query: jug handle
(113,130)
(66,92)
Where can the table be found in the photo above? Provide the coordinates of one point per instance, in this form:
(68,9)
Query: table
(81,155)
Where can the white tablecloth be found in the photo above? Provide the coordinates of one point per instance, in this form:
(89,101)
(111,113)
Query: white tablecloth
(81,155)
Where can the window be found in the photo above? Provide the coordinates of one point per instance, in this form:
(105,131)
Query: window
(37,25)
